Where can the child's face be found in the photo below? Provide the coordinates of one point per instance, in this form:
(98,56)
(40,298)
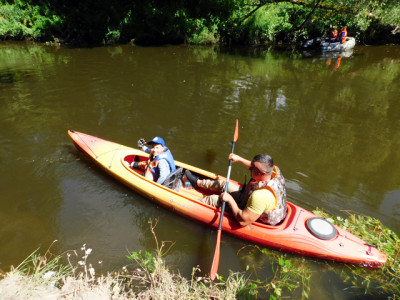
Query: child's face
(156,149)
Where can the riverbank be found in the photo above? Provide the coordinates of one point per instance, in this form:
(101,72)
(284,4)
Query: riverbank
(160,284)
(238,23)
(147,276)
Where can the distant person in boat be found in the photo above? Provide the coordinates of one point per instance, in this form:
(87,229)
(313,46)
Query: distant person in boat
(334,36)
(161,160)
(343,35)
(263,198)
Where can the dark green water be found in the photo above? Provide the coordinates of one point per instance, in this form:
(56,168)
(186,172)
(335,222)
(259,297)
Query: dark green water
(334,134)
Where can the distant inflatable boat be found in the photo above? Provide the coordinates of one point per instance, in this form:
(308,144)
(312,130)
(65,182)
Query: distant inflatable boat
(326,46)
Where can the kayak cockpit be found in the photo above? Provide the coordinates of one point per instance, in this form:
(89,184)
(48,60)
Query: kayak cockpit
(177,182)
(129,159)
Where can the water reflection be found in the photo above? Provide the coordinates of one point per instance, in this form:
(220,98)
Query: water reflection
(96,215)
(334,59)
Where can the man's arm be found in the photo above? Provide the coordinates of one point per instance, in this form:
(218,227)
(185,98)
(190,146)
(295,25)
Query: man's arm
(236,158)
(245,216)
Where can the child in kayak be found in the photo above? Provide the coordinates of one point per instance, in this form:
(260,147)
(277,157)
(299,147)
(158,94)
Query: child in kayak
(161,162)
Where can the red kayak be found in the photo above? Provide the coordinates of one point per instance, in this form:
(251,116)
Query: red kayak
(302,232)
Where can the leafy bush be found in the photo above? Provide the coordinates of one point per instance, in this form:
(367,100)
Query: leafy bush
(25,21)
(268,22)
(201,34)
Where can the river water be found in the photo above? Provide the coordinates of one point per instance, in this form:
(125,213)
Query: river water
(331,124)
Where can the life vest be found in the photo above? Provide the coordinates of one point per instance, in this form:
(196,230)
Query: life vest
(167,155)
(277,186)
(148,168)
(334,34)
(343,35)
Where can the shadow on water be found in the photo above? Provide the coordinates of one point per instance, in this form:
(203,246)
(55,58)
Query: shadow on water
(7,77)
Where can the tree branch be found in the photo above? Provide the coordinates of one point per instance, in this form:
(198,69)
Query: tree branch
(308,17)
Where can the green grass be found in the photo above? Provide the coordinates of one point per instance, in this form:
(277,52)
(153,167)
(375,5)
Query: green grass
(43,269)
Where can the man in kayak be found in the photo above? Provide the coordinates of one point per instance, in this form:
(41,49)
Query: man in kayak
(161,160)
(263,198)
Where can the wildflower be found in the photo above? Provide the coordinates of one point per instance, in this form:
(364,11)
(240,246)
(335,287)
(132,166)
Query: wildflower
(91,270)
(48,274)
(82,263)
(88,251)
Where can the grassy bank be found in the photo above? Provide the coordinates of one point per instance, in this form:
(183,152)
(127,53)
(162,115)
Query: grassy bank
(147,277)
(246,22)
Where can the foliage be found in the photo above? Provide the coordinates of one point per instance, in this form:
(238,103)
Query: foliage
(363,280)
(43,269)
(22,20)
(201,34)
(205,22)
(267,23)
(291,275)
(288,275)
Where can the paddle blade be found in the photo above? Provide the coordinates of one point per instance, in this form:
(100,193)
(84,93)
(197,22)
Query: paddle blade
(236,135)
(215,263)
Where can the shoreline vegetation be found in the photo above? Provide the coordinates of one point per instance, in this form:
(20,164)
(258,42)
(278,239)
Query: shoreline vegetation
(234,22)
(147,276)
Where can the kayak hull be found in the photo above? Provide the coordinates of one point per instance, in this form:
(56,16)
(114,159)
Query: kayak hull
(292,235)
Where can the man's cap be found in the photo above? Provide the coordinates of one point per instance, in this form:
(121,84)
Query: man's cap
(157,140)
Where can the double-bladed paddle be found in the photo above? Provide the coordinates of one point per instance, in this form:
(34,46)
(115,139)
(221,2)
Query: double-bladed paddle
(215,263)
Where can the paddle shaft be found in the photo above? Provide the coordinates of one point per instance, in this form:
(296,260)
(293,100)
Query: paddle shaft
(226,188)
(151,157)
(215,263)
